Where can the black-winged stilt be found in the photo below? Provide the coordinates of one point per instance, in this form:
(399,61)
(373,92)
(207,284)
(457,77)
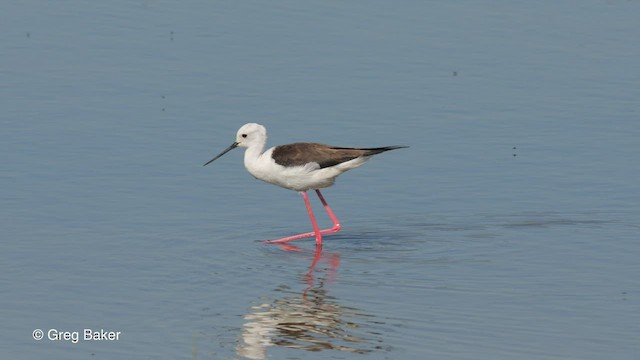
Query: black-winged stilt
(299,167)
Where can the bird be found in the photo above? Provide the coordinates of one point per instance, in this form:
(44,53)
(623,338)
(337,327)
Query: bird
(299,167)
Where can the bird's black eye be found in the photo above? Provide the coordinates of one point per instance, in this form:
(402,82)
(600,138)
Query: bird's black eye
(244,135)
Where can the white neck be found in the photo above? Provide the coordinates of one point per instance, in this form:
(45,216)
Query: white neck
(252,154)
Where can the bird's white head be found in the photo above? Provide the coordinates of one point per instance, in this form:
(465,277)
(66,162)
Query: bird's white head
(249,135)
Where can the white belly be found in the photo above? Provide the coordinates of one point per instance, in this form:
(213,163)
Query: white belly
(298,178)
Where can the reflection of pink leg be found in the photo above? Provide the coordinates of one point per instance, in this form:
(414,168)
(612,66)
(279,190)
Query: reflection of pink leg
(318,233)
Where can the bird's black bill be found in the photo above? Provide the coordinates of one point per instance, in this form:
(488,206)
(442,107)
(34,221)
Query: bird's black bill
(233,146)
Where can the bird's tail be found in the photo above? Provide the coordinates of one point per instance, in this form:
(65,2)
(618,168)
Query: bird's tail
(372,151)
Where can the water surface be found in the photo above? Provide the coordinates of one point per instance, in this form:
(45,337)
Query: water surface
(507,230)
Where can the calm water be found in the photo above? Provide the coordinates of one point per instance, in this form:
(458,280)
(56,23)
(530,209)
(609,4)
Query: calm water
(508,230)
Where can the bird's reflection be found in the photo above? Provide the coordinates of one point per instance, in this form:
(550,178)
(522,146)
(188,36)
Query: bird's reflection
(311,320)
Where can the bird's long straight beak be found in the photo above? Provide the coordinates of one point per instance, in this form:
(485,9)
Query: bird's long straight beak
(233,146)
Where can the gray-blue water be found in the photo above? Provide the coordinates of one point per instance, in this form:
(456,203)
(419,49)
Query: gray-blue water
(508,230)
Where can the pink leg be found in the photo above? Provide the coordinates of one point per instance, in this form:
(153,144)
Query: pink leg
(336,224)
(313,218)
(318,233)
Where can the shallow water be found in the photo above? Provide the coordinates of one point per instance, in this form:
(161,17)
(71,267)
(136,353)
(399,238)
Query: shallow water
(507,230)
